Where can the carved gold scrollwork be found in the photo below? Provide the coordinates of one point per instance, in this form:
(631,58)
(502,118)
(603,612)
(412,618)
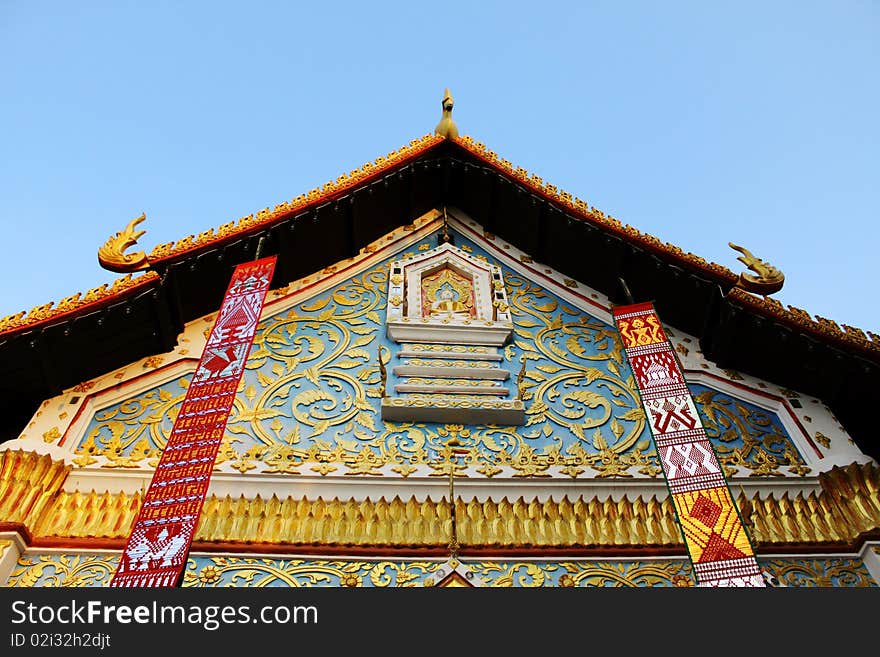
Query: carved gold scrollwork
(63,570)
(237,571)
(577,387)
(818,572)
(746,436)
(112,254)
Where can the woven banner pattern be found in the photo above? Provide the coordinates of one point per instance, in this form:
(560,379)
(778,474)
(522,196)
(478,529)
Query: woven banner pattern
(713,532)
(159,543)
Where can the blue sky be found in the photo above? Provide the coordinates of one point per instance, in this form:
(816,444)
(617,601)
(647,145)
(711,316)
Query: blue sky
(751,122)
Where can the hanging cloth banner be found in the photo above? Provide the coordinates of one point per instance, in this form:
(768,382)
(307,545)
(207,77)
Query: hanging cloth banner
(157,548)
(714,534)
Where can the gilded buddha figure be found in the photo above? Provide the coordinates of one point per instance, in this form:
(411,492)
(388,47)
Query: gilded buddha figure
(447,294)
(446,301)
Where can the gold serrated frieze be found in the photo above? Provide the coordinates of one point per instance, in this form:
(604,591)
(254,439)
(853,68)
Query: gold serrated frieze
(28,484)
(845,511)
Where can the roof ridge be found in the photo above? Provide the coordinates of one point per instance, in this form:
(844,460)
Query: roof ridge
(765,305)
(795,317)
(266,216)
(584,210)
(74,303)
(799,318)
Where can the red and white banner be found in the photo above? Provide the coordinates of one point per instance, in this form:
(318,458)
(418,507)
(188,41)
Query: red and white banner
(157,548)
(713,531)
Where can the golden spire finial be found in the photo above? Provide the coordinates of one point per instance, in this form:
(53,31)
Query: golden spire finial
(111,255)
(446,127)
(768,280)
(383,373)
(445,236)
(520,389)
(455,448)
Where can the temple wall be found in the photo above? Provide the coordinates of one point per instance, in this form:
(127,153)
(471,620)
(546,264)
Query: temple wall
(35,568)
(308,403)
(306,438)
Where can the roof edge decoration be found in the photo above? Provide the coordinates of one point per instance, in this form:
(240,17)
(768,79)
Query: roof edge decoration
(583,210)
(801,319)
(165,253)
(77,304)
(265,217)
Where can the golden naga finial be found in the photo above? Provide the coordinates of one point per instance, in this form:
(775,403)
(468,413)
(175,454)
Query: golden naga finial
(768,280)
(446,127)
(111,255)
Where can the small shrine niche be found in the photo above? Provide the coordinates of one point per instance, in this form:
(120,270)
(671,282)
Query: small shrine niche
(447,296)
(449,313)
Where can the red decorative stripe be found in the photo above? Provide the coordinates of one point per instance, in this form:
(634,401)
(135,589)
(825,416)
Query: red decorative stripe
(713,532)
(156,550)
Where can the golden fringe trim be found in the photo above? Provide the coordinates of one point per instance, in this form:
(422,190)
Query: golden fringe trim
(29,483)
(847,508)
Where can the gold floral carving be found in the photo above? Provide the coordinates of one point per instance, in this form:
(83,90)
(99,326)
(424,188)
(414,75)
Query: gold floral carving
(727,420)
(315,360)
(64,570)
(819,572)
(319,361)
(78,570)
(583,574)
(153,362)
(136,436)
(598,405)
(257,573)
(253,572)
